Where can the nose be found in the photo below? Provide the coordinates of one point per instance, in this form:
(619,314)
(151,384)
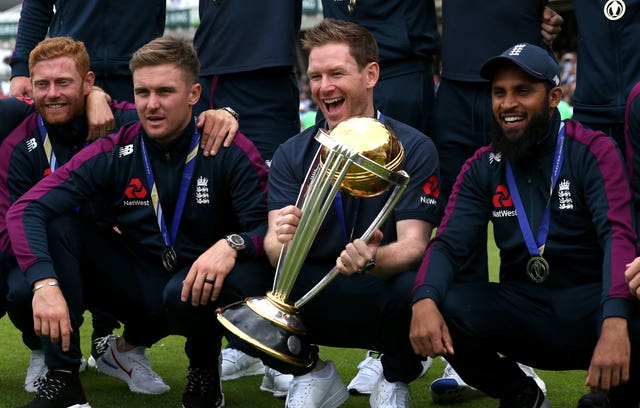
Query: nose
(326,84)
(509,101)
(53,91)
(154,101)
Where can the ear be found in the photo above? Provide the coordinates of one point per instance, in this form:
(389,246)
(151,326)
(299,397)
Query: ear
(555,95)
(194,94)
(89,80)
(372,71)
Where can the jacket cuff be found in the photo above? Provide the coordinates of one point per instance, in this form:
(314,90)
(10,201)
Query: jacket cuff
(616,307)
(39,271)
(426,291)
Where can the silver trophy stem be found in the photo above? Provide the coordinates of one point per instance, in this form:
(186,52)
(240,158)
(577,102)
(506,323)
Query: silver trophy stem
(323,188)
(375,224)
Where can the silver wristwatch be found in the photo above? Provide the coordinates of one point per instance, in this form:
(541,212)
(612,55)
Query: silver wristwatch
(232,112)
(236,242)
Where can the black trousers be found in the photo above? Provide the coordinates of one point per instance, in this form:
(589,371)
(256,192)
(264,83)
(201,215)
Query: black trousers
(98,271)
(493,325)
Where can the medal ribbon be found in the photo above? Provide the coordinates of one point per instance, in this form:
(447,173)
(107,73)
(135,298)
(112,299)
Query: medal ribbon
(46,143)
(337,203)
(168,237)
(536,247)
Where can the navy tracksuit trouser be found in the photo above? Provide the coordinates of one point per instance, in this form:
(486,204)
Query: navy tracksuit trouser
(550,329)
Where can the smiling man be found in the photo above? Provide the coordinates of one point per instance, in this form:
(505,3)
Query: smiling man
(44,133)
(186,225)
(357,309)
(560,204)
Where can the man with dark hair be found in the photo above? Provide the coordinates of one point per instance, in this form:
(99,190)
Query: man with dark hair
(560,203)
(186,224)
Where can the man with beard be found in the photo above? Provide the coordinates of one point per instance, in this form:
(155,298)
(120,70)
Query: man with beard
(560,203)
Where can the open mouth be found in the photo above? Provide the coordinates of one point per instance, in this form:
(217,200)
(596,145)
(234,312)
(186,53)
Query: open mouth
(333,104)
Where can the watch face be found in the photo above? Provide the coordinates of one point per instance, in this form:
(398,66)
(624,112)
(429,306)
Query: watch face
(236,241)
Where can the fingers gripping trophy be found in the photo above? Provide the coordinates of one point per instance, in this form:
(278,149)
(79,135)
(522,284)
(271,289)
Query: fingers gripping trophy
(361,157)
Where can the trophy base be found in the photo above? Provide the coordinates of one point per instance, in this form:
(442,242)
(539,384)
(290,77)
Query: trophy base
(270,326)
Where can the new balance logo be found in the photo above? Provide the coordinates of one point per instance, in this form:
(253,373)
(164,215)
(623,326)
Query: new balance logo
(125,150)
(495,157)
(31,144)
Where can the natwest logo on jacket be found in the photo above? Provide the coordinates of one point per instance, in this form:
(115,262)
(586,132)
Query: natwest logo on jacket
(501,201)
(431,187)
(502,198)
(135,192)
(135,189)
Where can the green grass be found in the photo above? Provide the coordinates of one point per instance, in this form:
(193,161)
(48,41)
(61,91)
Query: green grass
(168,360)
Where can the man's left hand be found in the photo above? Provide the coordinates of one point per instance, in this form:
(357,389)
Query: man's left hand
(100,120)
(357,254)
(207,274)
(610,362)
(218,127)
(632,276)
(551,25)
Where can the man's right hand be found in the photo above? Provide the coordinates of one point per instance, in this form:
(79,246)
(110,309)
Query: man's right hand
(429,333)
(51,314)
(287,222)
(20,86)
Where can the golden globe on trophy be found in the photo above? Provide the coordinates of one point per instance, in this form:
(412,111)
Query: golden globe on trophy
(361,157)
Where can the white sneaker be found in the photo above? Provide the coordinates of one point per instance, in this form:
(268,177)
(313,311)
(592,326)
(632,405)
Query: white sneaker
(531,373)
(131,367)
(275,382)
(370,369)
(450,388)
(37,370)
(83,365)
(312,391)
(389,395)
(236,364)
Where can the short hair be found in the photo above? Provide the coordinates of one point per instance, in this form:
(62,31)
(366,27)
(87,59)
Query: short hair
(362,45)
(61,47)
(168,50)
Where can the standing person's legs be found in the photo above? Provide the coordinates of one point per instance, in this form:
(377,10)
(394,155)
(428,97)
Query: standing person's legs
(266,100)
(407,97)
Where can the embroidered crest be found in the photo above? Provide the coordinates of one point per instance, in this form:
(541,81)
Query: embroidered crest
(564,195)
(202,190)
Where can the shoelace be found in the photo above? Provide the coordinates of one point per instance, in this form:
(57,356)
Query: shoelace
(101,344)
(201,381)
(297,395)
(39,382)
(49,388)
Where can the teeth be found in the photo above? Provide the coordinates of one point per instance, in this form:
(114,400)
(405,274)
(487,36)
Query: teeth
(510,119)
(56,106)
(331,100)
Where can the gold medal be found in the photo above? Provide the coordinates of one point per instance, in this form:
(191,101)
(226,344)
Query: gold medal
(537,269)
